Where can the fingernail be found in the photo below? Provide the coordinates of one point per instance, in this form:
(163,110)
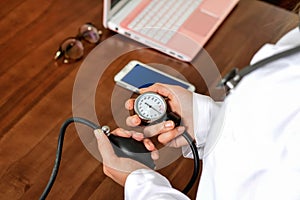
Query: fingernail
(155,155)
(135,120)
(127,104)
(150,144)
(98,133)
(139,135)
(169,124)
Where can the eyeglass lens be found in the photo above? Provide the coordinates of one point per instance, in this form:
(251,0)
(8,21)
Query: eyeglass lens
(89,33)
(72,48)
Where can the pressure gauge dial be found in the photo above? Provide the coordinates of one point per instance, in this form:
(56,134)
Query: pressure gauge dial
(150,107)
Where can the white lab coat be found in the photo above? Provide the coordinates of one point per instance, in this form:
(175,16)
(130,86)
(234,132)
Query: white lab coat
(250,145)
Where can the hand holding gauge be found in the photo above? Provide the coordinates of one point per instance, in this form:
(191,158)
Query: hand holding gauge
(152,107)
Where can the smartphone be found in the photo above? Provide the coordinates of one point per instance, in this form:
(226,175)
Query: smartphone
(136,75)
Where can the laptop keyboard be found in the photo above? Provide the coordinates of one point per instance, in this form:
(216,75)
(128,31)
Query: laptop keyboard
(162,18)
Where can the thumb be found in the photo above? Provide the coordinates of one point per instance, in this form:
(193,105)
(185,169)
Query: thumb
(104,146)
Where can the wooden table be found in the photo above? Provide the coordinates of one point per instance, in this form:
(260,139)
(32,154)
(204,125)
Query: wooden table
(36,92)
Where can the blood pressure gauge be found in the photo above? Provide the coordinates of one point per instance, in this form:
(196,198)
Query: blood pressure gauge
(150,107)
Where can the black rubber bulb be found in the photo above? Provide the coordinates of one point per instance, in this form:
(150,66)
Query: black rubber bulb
(131,148)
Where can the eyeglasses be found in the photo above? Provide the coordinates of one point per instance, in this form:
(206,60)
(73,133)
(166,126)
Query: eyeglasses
(71,49)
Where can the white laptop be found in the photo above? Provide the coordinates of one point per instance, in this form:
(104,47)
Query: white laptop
(179,28)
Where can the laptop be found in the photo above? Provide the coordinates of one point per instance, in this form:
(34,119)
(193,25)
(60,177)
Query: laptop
(179,28)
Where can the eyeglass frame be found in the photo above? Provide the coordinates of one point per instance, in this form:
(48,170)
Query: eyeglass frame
(79,37)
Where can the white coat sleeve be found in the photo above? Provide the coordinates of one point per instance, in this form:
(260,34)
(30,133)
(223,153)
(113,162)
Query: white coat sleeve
(146,184)
(205,111)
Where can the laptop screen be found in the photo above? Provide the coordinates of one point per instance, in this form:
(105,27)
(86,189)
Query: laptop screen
(110,7)
(113,3)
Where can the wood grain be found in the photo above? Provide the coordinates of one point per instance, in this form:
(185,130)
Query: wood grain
(36,92)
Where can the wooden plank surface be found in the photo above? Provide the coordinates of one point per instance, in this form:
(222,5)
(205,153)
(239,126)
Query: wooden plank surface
(36,92)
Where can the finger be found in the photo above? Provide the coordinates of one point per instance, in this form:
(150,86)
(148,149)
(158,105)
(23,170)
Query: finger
(105,148)
(177,142)
(158,88)
(125,133)
(159,128)
(151,147)
(133,121)
(129,104)
(114,165)
(137,135)
(155,155)
(167,137)
(121,132)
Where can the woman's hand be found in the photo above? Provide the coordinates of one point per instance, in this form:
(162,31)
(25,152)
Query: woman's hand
(119,168)
(180,101)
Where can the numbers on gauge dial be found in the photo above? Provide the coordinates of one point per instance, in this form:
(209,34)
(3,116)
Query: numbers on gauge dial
(150,106)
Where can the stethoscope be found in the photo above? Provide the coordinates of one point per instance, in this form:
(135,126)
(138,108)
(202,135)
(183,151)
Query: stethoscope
(233,77)
(151,106)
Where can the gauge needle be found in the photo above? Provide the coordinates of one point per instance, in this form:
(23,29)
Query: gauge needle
(152,108)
